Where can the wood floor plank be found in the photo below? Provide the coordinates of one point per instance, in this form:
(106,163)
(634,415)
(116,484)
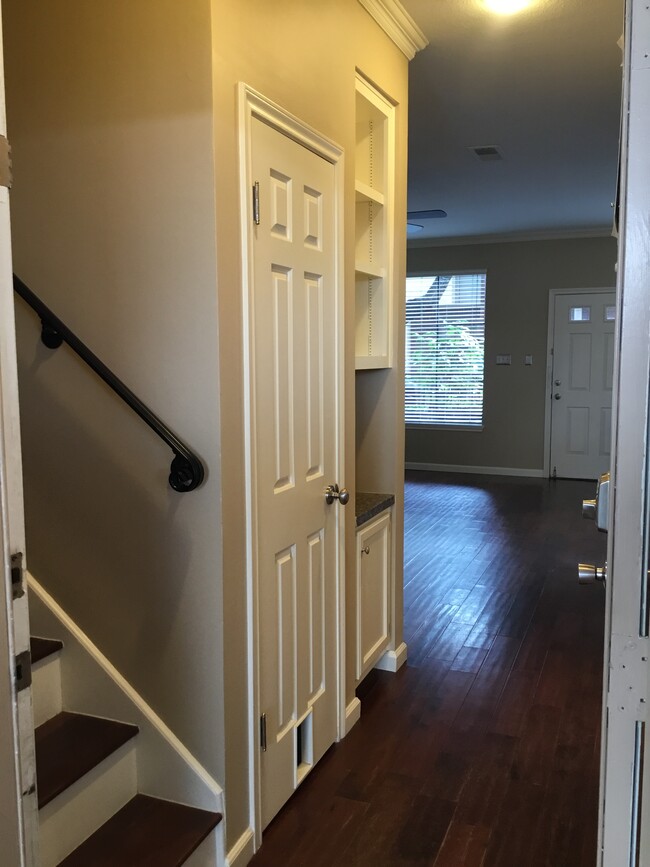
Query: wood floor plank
(484,750)
(464,846)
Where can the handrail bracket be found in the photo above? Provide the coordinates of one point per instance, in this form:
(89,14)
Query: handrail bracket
(186,471)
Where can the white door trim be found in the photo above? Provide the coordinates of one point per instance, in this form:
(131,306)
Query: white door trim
(18,803)
(253,104)
(552,296)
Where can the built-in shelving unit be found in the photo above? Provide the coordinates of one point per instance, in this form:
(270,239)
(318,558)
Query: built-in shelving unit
(374,181)
(380,206)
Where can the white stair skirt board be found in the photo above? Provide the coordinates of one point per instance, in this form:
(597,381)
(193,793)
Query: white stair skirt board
(482,471)
(84,806)
(46,688)
(352,715)
(243,850)
(393,660)
(92,685)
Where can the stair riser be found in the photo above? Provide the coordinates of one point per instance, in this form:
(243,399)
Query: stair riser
(75,814)
(46,689)
(206,854)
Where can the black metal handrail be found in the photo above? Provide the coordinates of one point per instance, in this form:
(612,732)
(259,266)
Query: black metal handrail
(186,472)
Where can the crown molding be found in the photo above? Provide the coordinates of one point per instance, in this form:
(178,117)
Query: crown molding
(394,20)
(510,237)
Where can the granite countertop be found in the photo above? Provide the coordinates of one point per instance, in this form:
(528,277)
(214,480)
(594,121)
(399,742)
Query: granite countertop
(369,505)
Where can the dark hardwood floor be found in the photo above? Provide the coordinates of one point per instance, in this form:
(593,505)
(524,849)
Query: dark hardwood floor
(483,751)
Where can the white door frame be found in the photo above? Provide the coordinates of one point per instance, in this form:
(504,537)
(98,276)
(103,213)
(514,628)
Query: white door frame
(18,802)
(253,104)
(548,405)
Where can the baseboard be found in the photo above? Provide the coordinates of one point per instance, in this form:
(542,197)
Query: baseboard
(243,850)
(482,471)
(352,715)
(393,660)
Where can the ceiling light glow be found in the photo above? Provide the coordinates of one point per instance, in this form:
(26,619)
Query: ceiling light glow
(506,7)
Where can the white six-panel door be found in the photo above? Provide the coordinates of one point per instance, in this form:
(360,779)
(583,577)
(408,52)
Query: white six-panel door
(296,425)
(581,390)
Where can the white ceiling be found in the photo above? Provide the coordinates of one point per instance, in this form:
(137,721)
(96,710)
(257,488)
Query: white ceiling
(544,86)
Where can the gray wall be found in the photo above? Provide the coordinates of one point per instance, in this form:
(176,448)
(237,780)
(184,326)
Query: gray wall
(519,277)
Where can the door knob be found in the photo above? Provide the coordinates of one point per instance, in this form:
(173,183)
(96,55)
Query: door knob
(332,493)
(598,508)
(602,502)
(557,395)
(589,574)
(557,382)
(589,508)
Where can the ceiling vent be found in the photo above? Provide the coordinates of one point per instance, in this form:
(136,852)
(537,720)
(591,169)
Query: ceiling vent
(487,153)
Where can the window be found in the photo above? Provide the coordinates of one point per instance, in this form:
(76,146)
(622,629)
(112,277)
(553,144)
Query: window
(445,340)
(580,314)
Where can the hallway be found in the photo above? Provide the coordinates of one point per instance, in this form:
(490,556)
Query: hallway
(483,750)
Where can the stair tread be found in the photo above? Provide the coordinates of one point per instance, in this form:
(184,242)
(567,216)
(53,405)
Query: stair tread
(42,647)
(69,745)
(146,832)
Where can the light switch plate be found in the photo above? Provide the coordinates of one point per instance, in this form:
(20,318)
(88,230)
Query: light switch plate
(504,359)
(528,359)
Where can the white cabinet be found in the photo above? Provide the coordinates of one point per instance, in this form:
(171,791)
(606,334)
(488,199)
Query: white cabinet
(373,591)
(374,182)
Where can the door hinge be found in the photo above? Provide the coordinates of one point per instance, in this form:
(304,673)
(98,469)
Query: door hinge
(6,177)
(17,576)
(256,203)
(23,670)
(263,732)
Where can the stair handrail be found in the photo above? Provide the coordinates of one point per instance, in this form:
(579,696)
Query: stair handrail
(186,471)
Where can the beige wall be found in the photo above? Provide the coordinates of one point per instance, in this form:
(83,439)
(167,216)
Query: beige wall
(519,277)
(305,62)
(110,119)
(123,120)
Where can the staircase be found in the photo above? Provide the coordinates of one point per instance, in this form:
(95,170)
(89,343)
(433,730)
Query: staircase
(91,812)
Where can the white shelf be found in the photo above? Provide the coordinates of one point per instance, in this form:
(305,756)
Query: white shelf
(370,362)
(365,193)
(368,269)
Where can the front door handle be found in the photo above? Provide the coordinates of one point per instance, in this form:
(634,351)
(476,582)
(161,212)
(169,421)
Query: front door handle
(589,574)
(598,508)
(557,395)
(332,493)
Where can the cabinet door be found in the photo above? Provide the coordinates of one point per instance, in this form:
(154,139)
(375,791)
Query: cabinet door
(373,589)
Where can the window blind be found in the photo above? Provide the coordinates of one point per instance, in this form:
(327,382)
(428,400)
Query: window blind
(445,343)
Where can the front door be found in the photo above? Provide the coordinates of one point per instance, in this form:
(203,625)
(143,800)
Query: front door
(296,419)
(625,775)
(581,392)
